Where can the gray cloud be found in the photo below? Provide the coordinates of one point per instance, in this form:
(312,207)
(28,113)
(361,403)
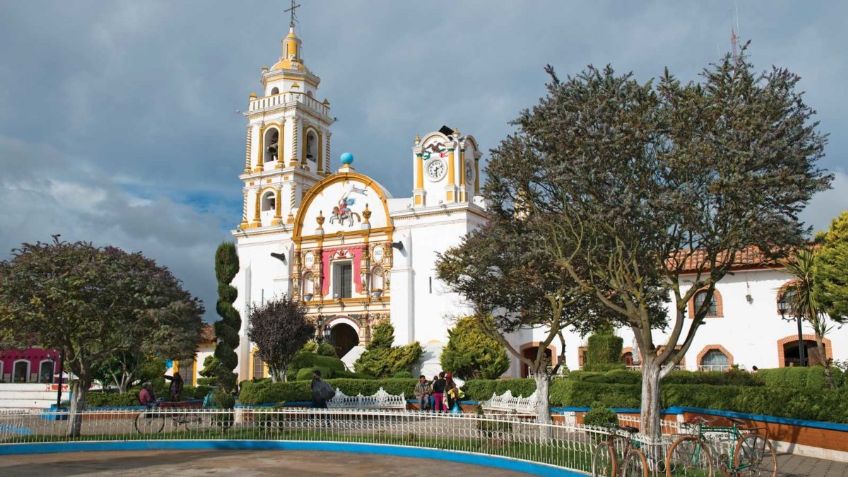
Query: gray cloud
(118,119)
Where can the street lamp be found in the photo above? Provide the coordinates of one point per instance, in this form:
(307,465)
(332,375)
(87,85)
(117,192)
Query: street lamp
(784,308)
(328,334)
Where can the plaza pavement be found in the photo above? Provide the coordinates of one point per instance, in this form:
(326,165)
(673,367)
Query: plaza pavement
(234,463)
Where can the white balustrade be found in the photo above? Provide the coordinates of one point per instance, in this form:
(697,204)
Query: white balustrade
(379,400)
(506,402)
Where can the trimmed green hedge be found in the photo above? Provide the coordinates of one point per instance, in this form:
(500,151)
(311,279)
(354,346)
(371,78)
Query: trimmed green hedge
(130,398)
(330,366)
(262,392)
(800,377)
(482,389)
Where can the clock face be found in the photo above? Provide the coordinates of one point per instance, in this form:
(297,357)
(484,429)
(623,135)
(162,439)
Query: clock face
(309,259)
(436,169)
(378,253)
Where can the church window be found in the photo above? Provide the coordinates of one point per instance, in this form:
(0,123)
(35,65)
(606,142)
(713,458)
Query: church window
(311,146)
(269,201)
(342,280)
(275,90)
(714,360)
(712,310)
(258,367)
(272,145)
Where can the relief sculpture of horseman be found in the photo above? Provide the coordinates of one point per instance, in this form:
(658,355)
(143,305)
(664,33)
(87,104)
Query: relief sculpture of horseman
(342,213)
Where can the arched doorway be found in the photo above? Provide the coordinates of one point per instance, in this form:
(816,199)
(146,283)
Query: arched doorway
(792,353)
(344,338)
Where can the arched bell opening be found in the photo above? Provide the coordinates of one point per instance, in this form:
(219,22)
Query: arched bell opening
(272,145)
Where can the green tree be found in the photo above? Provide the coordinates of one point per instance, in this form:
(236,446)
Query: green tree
(471,353)
(227,328)
(505,272)
(641,183)
(88,302)
(831,284)
(280,329)
(382,360)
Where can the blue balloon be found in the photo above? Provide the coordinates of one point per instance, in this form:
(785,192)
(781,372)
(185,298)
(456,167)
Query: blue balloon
(346,158)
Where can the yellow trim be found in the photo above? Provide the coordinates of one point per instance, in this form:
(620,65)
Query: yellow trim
(476,177)
(306,201)
(451,172)
(339,234)
(278,199)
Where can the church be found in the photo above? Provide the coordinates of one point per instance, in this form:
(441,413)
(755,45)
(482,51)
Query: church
(333,237)
(337,239)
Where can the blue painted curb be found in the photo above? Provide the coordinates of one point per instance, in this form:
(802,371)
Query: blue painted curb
(506,463)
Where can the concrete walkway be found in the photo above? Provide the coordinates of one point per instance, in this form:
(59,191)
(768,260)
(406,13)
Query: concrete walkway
(234,463)
(796,466)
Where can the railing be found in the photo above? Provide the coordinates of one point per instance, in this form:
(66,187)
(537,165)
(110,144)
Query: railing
(287,99)
(563,446)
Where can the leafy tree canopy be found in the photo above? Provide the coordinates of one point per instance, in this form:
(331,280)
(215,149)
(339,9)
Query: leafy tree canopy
(280,329)
(95,305)
(831,264)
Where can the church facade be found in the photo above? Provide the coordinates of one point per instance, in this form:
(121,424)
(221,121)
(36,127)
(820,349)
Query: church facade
(337,239)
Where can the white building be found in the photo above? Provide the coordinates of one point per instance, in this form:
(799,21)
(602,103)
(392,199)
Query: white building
(355,255)
(337,239)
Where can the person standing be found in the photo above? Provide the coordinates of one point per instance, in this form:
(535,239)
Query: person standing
(451,392)
(439,393)
(321,391)
(176,387)
(422,393)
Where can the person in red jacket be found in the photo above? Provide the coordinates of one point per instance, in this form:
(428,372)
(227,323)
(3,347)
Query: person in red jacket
(146,396)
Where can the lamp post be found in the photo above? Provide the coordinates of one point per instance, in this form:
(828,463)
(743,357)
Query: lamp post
(783,308)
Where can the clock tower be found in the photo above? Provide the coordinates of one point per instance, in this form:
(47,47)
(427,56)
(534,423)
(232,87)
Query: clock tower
(446,167)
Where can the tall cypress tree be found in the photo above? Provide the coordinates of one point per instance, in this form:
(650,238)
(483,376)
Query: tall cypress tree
(227,328)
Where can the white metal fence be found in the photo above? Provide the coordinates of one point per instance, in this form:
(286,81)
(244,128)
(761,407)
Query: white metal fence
(566,446)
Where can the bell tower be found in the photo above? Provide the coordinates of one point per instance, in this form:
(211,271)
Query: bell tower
(287,139)
(446,168)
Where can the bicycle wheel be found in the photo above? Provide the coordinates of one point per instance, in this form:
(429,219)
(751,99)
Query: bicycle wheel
(754,455)
(603,461)
(198,422)
(689,456)
(635,464)
(149,422)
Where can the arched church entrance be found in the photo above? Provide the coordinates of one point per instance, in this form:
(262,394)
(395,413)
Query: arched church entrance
(344,338)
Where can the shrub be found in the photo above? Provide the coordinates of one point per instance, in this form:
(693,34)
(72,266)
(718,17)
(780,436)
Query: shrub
(604,352)
(471,353)
(402,375)
(326,349)
(130,398)
(600,416)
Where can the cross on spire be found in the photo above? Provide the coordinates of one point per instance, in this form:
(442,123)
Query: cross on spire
(294,6)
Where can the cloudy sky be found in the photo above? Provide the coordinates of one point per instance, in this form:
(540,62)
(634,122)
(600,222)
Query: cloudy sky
(119,120)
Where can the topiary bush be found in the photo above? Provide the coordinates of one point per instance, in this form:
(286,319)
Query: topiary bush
(482,389)
(330,366)
(381,359)
(326,349)
(604,352)
(227,328)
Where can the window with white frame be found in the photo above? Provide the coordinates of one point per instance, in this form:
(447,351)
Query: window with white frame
(20,371)
(45,371)
(342,279)
(714,360)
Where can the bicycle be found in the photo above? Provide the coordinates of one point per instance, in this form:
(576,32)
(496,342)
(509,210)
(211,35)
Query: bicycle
(691,455)
(152,420)
(605,459)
